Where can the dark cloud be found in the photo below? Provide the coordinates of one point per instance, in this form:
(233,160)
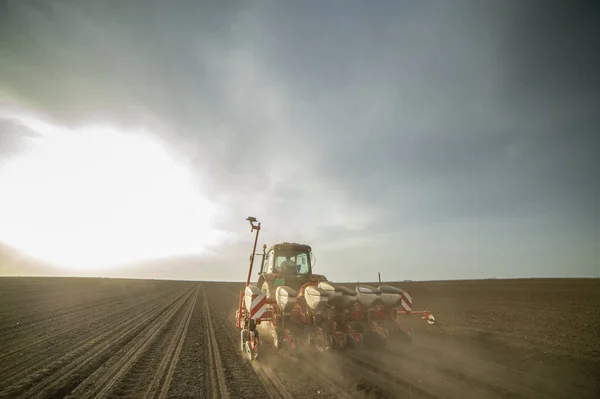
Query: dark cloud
(368,118)
(551,56)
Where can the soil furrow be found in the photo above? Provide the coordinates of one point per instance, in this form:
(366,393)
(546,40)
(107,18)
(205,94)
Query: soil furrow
(141,378)
(141,339)
(188,378)
(111,374)
(38,368)
(218,386)
(26,322)
(43,305)
(71,374)
(159,386)
(74,323)
(239,373)
(270,381)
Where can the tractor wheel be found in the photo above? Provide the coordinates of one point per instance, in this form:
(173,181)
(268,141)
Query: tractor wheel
(356,342)
(243,339)
(307,340)
(249,352)
(245,345)
(351,342)
(344,343)
(320,343)
(293,352)
(361,341)
(278,337)
(386,336)
(404,334)
(377,337)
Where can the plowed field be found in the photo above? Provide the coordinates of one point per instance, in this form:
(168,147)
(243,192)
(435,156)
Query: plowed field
(92,338)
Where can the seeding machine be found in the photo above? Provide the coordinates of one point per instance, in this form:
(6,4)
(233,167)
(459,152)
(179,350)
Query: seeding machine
(306,311)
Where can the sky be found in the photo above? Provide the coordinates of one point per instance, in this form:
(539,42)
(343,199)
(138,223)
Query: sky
(425,140)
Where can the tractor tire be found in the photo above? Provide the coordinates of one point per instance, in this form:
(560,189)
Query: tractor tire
(243,339)
(320,342)
(245,346)
(249,352)
(344,343)
(361,341)
(404,335)
(307,341)
(293,352)
(352,343)
(277,337)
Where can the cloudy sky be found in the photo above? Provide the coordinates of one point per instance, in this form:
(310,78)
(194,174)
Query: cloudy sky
(425,140)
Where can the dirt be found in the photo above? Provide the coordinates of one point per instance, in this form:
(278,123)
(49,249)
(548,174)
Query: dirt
(68,337)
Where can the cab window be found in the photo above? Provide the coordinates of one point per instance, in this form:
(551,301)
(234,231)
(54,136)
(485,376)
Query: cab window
(300,259)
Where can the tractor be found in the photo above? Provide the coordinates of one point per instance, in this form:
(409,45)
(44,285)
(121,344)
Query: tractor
(305,311)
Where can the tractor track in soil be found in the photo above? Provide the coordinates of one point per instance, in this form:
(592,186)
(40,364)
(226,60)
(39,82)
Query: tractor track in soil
(32,314)
(26,322)
(73,324)
(59,377)
(215,384)
(38,370)
(231,374)
(50,309)
(124,373)
(271,382)
(160,384)
(180,340)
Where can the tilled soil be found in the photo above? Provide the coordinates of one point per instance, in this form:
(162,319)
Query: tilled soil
(133,338)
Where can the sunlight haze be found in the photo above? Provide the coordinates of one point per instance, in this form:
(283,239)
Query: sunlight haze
(97,197)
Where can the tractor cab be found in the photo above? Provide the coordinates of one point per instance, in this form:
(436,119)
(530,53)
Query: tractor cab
(288,264)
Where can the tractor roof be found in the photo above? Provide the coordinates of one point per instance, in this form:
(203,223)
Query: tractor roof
(291,246)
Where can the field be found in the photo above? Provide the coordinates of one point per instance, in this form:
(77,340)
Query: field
(68,337)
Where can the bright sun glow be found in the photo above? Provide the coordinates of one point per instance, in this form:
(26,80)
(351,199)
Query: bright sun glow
(97,197)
